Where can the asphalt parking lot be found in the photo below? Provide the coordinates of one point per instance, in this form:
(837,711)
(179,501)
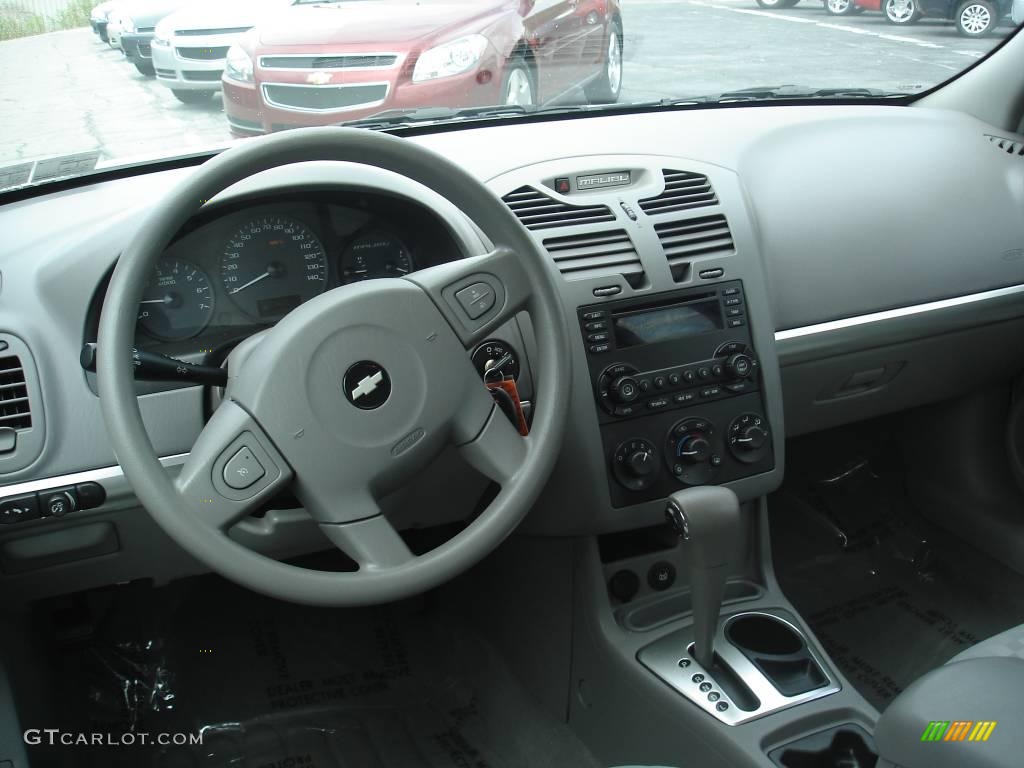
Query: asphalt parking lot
(68,92)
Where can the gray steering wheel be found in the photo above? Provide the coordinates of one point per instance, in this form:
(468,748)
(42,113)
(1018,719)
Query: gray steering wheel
(351,393)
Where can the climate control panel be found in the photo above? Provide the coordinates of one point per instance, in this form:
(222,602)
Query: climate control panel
(679,402)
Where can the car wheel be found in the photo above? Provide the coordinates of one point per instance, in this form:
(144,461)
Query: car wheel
(976,18)
(145,68)
(517,86)
(774,4)
(605,88)
(191,97)
(840,7)
(900,11)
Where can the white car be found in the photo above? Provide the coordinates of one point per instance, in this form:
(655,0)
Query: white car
(114,25)
(190,46)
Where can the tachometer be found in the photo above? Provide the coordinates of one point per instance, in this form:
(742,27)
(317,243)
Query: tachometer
(271,265)
(374,254)
(178,301)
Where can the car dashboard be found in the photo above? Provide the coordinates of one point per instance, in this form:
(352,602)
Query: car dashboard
(722,292)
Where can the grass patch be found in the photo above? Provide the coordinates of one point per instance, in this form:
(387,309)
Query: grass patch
(17,21)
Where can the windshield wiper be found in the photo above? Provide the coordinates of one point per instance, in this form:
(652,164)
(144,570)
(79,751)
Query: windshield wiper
(398,118)
(793,92)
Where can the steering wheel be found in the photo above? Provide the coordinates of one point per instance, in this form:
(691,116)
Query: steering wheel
(350,394)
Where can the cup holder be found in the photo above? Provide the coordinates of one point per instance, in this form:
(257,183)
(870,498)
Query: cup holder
(763,635)
(778,651)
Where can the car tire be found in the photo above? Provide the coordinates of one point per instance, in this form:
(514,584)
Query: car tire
(976,18)
(144,68)
(772,5)
(605,88)
(191,97)
(840,7)
(900,12)
(518,86)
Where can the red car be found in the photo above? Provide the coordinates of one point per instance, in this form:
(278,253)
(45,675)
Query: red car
(328,62)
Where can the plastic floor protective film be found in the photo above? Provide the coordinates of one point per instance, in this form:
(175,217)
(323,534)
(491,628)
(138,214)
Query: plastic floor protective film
(900,597)
(275,685)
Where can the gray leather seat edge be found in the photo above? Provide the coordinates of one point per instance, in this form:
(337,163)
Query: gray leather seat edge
(984,683)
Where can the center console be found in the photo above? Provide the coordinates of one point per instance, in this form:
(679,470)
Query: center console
(677,383)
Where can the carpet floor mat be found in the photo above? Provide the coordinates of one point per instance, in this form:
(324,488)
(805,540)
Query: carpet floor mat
(273,685)
(889,595)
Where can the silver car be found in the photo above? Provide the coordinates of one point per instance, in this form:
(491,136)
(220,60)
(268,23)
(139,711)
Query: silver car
(189,46)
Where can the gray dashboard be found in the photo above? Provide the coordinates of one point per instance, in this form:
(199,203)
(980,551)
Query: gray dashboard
(875,245)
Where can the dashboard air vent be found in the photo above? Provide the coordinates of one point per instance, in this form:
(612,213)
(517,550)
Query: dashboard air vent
(1009,146)
(14,406)
(683,190)
(596,254)
(687,238)
(538,211)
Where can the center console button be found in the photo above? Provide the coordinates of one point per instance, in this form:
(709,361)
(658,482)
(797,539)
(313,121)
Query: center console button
(674,379)
(659,382)
(593,315)
(657,404)
(644,385)
(597,349)
(716,370)
(14,509)
(597,337)
(734,301)
(704,372)
(682,397)
(597,325)
(689,376)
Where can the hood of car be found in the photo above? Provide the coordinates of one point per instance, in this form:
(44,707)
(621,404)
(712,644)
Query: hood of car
(225,15)
(146,13)
(373,23)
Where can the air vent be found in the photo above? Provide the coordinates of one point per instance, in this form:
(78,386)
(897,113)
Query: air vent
(538,211)
(14,407)
(687,238)
(596,254)
(683,190)
(1009,146)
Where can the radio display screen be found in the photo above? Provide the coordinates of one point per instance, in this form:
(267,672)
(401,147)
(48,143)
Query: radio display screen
(667,323)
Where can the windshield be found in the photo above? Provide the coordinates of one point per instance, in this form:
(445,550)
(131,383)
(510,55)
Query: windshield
(89,86)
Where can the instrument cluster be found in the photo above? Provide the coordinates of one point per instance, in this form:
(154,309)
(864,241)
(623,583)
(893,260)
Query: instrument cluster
(236,271)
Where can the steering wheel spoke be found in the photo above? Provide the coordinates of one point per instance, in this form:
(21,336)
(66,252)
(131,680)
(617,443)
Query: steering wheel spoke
(233,468)
(478,294)
(498,450)
(373,543)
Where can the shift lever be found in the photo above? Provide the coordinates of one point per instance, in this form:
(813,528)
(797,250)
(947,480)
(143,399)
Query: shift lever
(707,518)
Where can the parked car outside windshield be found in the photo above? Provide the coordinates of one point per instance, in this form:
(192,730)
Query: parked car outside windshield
(196,75)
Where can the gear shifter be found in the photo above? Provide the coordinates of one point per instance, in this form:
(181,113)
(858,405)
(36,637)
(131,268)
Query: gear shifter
(707,518)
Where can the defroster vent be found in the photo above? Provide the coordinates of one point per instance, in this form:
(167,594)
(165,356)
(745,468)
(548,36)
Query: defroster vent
(596,254)
(538,211)
(15,410)
(683,190)
(685,239)
(1009,146)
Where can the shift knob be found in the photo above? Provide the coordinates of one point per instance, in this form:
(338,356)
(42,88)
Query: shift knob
(707,518)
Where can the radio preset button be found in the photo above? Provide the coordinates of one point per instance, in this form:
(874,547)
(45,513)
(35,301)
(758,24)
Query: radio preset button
(659,382)
(689,377)
(704,372)
(674,379)
(644,385)
(716,370)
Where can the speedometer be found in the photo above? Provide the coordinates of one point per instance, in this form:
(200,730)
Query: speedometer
(178,301)
(271,265)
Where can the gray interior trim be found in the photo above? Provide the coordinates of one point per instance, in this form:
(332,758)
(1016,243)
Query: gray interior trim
(892,326)
(101,475)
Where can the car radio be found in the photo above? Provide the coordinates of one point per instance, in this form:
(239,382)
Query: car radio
(677,383)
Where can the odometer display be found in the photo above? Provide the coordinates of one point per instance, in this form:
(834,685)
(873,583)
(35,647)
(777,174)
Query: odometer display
(374,254)
(271,265)
(178,301)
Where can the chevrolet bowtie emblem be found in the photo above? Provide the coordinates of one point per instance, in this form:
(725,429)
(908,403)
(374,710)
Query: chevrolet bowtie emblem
(367,385)
(318,78)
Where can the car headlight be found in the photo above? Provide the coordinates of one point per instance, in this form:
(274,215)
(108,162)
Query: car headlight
(238,65)
(162,34)
(449,59)
(128,25)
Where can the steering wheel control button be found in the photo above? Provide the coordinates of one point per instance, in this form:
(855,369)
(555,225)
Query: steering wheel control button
(476,299)
(243,470)
(15,509)
(661,576)
(367,385)
(57,503)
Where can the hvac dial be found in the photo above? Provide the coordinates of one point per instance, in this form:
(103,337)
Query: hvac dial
(272,264)
(177,302)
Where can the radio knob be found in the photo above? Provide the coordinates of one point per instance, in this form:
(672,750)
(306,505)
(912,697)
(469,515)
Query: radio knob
(739,366)
(624,389)
(694,449)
